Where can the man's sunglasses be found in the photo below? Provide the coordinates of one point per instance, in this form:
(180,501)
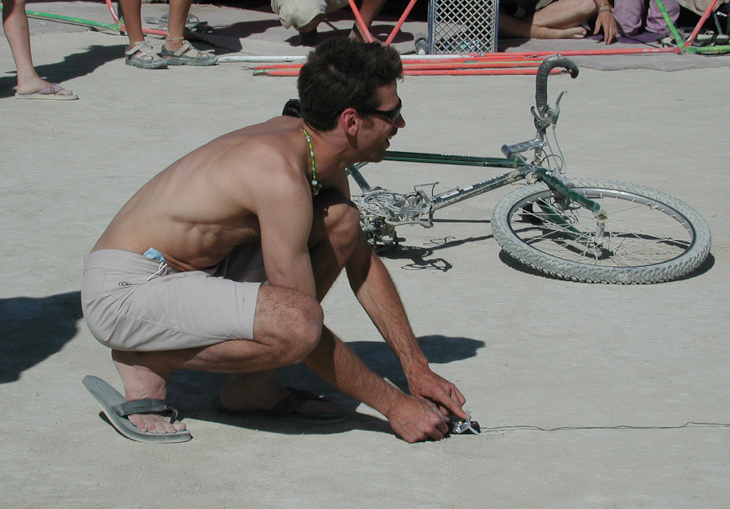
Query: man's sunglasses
(391,115)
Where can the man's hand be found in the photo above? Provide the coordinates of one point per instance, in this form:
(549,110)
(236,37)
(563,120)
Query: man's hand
(416,420)
(606,22)
(428,385)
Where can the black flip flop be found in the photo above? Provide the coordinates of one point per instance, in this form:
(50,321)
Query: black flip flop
(287,410)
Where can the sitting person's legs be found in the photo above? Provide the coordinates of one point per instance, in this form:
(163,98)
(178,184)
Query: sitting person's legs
(559,19)
(636,16)
(630,16)
(564,14)
(306,15)
(655,21)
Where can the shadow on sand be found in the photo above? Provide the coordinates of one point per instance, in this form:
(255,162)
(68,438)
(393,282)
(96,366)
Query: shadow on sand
(194,392)
(73,66)
(33,329)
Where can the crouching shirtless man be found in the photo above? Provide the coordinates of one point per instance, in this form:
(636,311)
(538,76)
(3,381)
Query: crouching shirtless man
(175,280)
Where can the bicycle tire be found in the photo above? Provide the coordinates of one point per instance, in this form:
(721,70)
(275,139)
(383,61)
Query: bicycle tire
(652,237)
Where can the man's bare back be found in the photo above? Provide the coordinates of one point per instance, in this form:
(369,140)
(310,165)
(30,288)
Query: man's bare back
(205,204)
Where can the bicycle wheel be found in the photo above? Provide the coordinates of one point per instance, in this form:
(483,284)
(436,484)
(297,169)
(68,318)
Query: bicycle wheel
(649,236)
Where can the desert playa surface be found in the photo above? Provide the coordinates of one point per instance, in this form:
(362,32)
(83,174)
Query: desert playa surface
(589,395)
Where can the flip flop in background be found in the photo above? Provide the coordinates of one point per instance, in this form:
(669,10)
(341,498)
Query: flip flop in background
(288,409)
(52,93)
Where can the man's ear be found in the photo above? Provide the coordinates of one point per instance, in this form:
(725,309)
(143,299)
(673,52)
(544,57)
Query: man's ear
(350,121)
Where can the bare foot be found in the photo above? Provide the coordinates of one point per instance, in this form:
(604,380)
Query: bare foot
(36,84)
(260,391)
(560,33)
(142,382)
(574,33)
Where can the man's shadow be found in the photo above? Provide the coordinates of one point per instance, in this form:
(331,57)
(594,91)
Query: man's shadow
(73,66)
(195,392)
(33,329)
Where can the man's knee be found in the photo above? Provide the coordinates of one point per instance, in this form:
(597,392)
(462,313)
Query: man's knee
(308,321)
(289,321)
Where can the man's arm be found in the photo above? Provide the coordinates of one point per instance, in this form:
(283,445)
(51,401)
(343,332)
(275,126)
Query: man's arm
(284,233)
(413,419)
(378,295)
(284,212)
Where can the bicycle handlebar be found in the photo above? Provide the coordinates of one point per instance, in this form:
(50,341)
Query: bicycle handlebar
(542,76)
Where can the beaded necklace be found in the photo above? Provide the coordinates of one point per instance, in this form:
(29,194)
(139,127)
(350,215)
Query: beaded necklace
(316,184)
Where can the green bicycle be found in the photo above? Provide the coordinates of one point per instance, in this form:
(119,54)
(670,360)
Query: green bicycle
(583,230)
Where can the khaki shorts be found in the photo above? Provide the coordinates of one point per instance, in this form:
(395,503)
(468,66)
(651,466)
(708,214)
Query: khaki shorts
(131,302)
(300,13)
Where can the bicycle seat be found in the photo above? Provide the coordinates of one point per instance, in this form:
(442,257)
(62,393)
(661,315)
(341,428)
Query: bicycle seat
(292,108)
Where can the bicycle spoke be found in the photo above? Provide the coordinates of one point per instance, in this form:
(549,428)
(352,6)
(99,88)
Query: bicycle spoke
(639,231)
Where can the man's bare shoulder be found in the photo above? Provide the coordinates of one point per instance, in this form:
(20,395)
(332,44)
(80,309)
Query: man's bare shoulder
(266,153)
(273,137)
(263,159)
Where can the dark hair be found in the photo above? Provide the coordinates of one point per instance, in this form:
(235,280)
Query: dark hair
(342,73)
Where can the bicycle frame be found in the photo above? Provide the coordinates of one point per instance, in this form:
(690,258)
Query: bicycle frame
(383,210)
(553,225)
(413,212)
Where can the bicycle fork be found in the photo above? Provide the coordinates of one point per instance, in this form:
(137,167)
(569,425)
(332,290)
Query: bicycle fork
(598,239)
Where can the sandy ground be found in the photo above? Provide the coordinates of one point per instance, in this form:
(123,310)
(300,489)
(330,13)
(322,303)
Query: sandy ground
(557,370)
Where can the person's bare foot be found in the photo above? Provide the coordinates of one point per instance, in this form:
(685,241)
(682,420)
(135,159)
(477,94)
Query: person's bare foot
(141,382)
(260,391)
(36,84)
(560,33)
(574,33)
